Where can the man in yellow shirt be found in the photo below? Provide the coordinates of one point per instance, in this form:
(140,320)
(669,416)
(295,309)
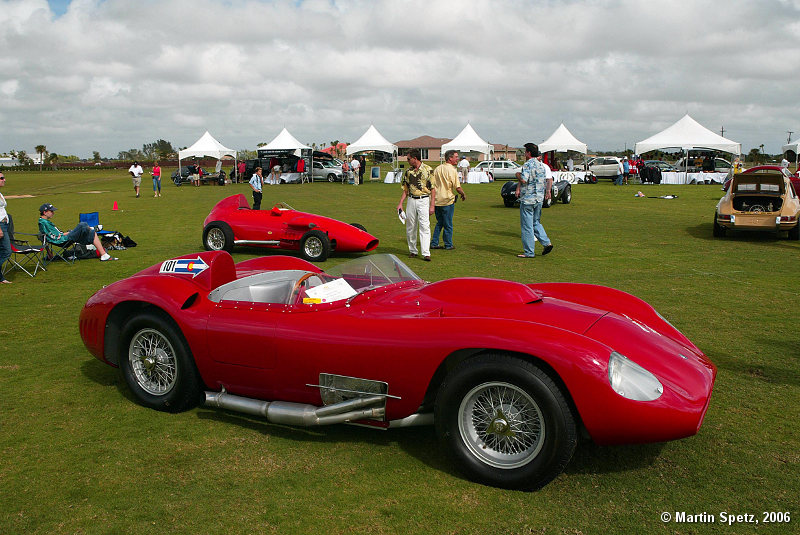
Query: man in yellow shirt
(446,182)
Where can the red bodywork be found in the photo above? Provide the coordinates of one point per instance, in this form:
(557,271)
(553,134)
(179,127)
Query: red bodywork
(285,227)
(408,333)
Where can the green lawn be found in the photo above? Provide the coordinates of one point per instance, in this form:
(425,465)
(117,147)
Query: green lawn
(79,456)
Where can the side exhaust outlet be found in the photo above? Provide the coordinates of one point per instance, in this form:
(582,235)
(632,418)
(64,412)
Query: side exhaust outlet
(300,414)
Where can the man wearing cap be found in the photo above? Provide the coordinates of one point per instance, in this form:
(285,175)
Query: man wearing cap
(136,172)
(83,233)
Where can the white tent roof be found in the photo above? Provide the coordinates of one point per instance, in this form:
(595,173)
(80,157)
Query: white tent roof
(687,134)
(371,140)
(206,146)
(468,140)
(794,147)
(562,140)
(284,141)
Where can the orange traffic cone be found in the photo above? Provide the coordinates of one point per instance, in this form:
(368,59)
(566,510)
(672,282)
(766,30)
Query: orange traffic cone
(115,206)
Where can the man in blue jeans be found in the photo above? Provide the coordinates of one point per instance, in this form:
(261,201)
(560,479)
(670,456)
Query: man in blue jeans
(533,188)
(83,233)
(445,180)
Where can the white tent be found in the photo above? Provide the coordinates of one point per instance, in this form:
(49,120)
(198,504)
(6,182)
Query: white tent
(562,140)
(285,141)
(372,140)
(688,134)
(206,146)
(794,147)
(468,141)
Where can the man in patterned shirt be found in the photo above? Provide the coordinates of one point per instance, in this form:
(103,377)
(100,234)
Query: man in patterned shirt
(418,188)
(533,188)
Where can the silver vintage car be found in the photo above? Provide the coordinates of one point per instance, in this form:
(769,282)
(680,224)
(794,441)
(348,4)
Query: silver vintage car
(500,169)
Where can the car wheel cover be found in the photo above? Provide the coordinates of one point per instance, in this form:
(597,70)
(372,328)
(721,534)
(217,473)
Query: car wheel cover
(153,362)
(313,247)
(501,425)
(215,239)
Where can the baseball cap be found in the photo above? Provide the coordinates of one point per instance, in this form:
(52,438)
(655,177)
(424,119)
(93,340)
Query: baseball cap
(45,207)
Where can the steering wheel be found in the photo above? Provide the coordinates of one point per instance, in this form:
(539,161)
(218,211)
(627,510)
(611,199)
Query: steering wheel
(297,286)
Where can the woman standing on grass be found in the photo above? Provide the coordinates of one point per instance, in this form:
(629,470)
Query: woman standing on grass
(5,241)
(156,172)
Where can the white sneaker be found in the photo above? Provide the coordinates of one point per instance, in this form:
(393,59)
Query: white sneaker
(106,257)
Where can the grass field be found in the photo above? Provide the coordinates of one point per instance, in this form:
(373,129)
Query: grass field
(79,456)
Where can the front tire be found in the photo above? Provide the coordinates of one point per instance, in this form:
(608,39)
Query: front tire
(156,363)
(315,246)
(505,422)
(218,236)
(331,178)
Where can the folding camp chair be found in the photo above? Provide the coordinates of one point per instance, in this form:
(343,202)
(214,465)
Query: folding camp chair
(24,256)
(57,251)
(93,220)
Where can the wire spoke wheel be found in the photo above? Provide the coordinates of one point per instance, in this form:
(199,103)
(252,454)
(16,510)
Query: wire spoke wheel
(215,239)
(313,246)
(501,425)
(153,362)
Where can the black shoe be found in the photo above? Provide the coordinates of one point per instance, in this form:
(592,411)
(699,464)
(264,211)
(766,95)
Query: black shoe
(437,247)
(547,249)
(450,248)
(426,258)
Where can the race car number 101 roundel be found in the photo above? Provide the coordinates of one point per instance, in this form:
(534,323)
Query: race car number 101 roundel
(184,266)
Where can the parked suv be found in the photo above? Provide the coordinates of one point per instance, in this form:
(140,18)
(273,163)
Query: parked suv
(326,170)
(499,168)
(605,166)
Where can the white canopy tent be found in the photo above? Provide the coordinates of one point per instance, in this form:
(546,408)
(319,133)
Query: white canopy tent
(286,141)
(206,146)
(468,141)
(562,140)
(688,134)
(794,147)
(372,140)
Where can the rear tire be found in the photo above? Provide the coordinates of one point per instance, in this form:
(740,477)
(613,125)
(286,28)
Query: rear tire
(505,422)
(331,178)
(315,246)
(794,234)
(218,236)
(157,364)
(719,230)
(566,197)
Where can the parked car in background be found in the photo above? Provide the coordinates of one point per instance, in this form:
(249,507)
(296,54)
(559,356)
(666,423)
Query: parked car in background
(326,170)
(662,165)
(500,169)
(186,172)
(562,191)
(762,198)
(604,166)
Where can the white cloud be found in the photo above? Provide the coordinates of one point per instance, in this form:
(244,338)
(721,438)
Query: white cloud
(116,74)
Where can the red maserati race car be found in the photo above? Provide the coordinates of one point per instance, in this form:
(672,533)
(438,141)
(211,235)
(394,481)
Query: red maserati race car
(232,222)
(510,374)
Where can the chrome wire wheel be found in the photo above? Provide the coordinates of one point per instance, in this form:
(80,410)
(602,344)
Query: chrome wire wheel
(501,425)
(153,362)
(215,239)
(313,247)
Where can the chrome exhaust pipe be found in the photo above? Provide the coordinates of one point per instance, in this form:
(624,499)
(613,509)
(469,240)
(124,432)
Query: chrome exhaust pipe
(300,414)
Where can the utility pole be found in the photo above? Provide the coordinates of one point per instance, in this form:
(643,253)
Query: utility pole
(722,131)
(789,139)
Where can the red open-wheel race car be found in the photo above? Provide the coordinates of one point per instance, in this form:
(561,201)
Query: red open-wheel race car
(232,222)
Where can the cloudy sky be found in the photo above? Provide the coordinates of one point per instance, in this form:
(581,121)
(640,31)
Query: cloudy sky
(109,75)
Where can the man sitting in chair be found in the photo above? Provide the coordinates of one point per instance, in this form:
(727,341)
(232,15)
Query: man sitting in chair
(83,233)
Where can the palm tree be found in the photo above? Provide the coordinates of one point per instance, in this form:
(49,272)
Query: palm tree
(53,161)
(41,150)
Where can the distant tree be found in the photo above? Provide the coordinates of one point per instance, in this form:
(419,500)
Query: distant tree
(131,154)
(53,160)
(158,149)
(96,157)
(261,144)
(41,150)
(752,156)
(23,158)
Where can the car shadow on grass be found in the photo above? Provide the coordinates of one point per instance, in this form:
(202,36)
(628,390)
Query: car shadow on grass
(705,232)
(758,371)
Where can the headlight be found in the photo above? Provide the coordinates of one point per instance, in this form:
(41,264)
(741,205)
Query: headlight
(631,381)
